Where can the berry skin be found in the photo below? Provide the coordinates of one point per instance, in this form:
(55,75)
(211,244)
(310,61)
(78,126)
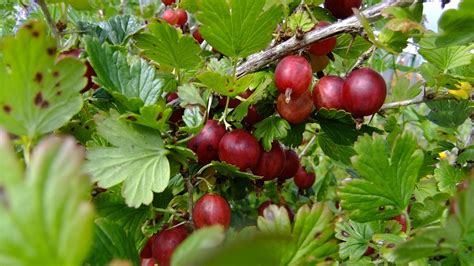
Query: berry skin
(293,73)
(327,93)
(206,143)
(165,242)
(363,92)
(147,262)
(323,47)
(271,163)
(297,110)
(342,8)
(182,17)
(168,2)
(211,209)
(318,63)
(292,164)
(171,17)
(401,219)
(197,36)
(177,114)
(303,179)
(369,251)
(240,148)
(252,117)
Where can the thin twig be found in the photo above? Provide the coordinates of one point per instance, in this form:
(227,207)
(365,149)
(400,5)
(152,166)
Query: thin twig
(49,19)
(190,189)
(421,98)
(305,149)
(364,57)
(351,24)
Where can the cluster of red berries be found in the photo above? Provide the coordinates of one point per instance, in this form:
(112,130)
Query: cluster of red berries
(241,149)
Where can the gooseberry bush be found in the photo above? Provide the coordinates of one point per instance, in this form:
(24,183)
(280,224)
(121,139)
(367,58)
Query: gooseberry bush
(235,132)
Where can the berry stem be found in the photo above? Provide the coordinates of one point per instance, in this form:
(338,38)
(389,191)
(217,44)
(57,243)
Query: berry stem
(49,19)
(310,142)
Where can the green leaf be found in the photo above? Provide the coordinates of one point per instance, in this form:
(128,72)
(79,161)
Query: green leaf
(448,57)
(120,28)
(355,237)
(270,129)
(341,153)
(312,236)
(300,20)
(449,113)
(225,84)
(295,135)
(232,171)
(275,221)
(346,49)
(388,179)
(237,28)
(451,32)
(403,90)
(137,159)
(428,211)
(45,215)
(111,242)
(455,237)
(37,95)
(448,177)
(111,206)
(137,81)
(467,155)
(189,94)
(166,46)
(154,116)
(200,242)
(193,118)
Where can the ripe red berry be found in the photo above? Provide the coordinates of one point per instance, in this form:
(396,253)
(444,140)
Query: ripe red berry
(252,117)
(182,17)
(369,251)
(146,251)
(342,8)
(323,47)
(240,148)
(318,63)
(303,179)
(197,36)
(271,163)
(363,92)
(166,241)
(293,73)
(90,73)
(178,112)
(292,164)
(401,219)
(211,209)
(297,110)
(206,143)
(171,17)
(327,93)
(168,2)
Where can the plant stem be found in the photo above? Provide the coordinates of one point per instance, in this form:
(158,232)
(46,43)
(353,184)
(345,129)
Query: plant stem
(190,189)
(407,218)
(311,141)
(27,149)
(49,19)
(351,24)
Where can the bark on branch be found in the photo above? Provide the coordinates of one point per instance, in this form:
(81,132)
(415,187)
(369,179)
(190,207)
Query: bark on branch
(351,24)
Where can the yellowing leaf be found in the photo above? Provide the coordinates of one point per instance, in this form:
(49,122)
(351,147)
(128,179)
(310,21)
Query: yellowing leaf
(463,92)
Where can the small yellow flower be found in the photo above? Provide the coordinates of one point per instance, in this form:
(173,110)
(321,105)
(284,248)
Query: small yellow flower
(442,155)
(464,89)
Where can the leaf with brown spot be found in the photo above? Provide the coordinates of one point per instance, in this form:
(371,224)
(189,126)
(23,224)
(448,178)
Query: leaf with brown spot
(31,80)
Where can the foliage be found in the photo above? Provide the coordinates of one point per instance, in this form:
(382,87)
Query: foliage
(135,93)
